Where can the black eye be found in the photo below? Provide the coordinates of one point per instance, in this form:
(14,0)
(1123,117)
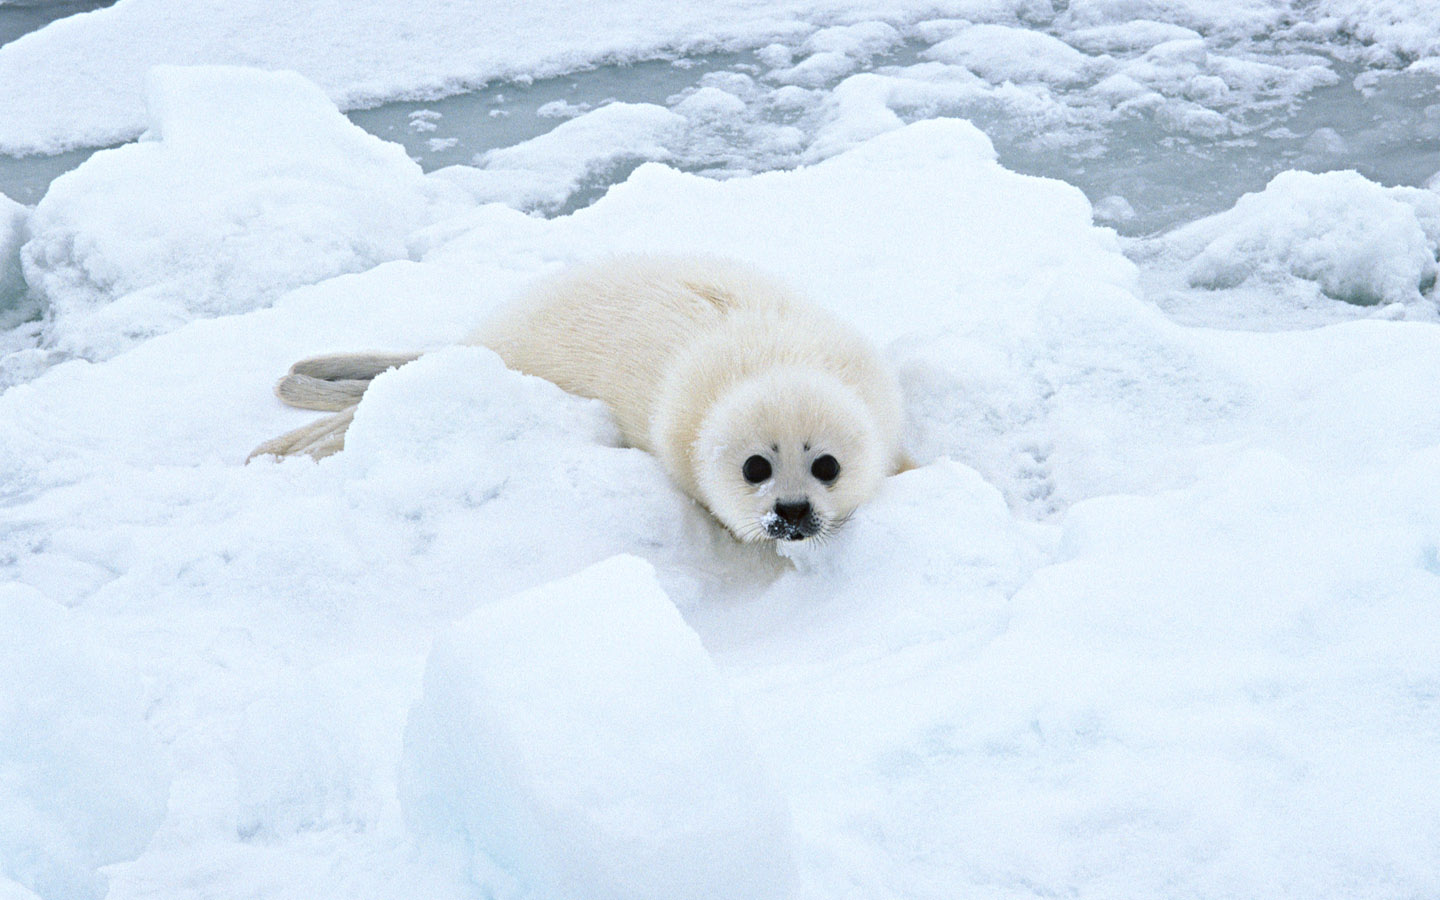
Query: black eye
(756,469)
(826,468)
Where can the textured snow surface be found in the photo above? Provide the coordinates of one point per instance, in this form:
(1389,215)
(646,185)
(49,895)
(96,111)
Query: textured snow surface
(1154,616)
(83,780)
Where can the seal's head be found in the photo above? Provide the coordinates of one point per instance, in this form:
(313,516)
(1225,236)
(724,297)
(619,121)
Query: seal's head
(787,455)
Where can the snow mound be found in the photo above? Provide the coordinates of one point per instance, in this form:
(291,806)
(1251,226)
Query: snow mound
(415,414)
(952,525)
(83,782)
(958,539)
(1355,240)
(579,742)
(251,183)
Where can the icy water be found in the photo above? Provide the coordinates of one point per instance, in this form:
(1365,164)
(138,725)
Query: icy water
(454,130)
(21,18)
(1385,126)
(1143,174)
(1390,133)
(25,179)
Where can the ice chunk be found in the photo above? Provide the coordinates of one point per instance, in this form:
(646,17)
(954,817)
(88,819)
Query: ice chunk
(82,782)
(711,103)
(543,172)
(466,395)
(1392,31)
(862,107)
(561,109)
(1000,53)
(1137,34)
(252,183)
(1114,209)
(862,40)
(13,231)
(1356,240)
(817,69)
(838,51)
(578,739)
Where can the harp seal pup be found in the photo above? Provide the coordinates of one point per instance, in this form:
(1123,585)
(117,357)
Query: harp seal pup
(774,415)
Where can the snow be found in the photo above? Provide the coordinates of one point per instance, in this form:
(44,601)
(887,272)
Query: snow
(249,184)
(578,738)
(10,890)
(1359,242)
(1153,616)
(85,783)
(1307,239)
(1391,28)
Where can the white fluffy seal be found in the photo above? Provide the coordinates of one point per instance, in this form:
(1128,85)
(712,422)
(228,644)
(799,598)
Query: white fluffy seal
(774,415)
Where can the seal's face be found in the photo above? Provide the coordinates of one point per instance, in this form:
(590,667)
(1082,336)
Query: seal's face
(787,457)
(794,476)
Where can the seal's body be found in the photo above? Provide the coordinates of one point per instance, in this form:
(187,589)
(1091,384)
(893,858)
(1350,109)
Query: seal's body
(770,412)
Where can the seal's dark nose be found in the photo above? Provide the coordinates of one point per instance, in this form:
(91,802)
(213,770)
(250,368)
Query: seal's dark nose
(794,513)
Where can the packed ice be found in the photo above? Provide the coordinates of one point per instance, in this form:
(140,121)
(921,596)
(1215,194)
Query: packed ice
(1154,614)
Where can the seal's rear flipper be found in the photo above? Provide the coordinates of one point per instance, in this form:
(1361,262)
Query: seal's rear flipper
(332,383)
(351,366)
(308,392)
(337,381)
(318,439)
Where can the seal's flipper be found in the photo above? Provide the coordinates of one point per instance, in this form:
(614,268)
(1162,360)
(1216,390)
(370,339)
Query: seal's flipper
(319,439)
(337,381)
(351,366)
(308,392)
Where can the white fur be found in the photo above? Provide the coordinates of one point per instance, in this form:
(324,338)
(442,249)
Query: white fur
(704,363)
